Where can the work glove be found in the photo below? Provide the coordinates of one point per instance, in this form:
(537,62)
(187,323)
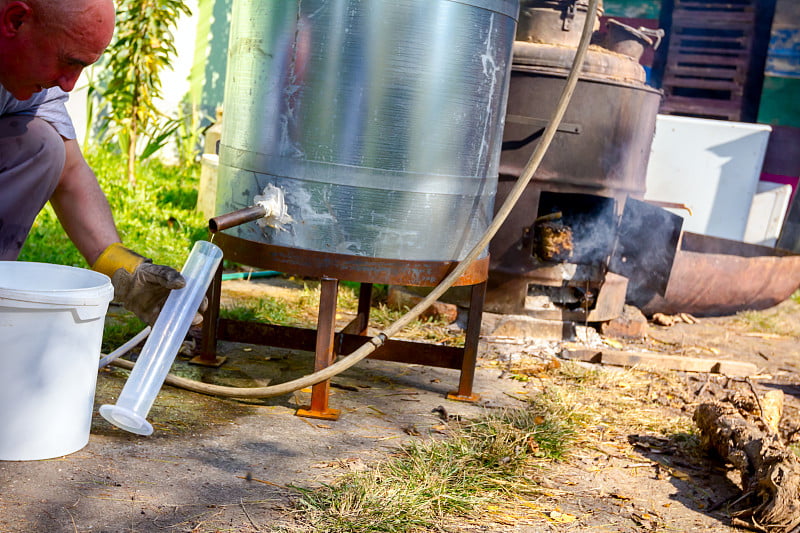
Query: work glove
(139,285)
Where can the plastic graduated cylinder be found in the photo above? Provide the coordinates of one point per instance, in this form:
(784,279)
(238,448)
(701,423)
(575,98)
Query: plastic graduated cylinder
(158,353)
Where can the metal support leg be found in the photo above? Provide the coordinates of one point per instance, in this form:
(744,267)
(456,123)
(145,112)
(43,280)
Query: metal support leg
(324,353)
(208,341)
(464,392)
(359,325)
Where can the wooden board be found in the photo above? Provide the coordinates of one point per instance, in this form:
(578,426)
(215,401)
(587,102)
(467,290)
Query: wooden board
(661,361)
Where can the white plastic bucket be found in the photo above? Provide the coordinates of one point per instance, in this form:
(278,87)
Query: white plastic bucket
(51,328)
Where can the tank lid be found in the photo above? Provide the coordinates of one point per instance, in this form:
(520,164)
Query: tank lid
(510,8)
(600,64)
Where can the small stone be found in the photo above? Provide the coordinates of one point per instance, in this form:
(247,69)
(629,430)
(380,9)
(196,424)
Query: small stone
(526,327)
(631,324)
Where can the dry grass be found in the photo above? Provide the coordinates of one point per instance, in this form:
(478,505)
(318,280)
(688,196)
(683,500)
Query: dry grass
(478,464)
(625,401)
(769,321)
(486,469)
(428,330)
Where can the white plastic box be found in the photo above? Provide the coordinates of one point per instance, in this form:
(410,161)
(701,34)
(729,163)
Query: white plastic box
(712,166)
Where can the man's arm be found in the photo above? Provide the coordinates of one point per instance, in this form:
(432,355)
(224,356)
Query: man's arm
(83,211)
(82,207)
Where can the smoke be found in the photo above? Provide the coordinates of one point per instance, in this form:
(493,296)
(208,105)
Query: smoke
(640,244)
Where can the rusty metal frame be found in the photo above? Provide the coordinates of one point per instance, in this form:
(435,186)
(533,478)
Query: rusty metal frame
(326,343)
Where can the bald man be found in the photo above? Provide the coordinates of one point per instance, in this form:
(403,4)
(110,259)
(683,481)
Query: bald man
(44,46)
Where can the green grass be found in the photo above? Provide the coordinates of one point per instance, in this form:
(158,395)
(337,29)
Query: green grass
(119,328)
(47,242)
(156,219)
(346,297)
(263,309)
(430,481)
(757,321)
(767,321)
(299,312)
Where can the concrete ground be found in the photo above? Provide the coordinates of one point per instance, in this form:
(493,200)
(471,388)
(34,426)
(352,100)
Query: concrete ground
(217,464)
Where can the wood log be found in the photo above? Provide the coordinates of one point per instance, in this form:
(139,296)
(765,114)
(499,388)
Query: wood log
(737,430)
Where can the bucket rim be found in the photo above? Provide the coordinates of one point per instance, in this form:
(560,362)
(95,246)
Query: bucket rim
(99,292)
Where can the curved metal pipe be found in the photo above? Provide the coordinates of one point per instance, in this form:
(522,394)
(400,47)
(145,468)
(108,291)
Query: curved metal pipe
(236,218)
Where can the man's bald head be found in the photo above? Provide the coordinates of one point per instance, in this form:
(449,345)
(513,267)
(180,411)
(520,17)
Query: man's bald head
(61,14)
(47,43)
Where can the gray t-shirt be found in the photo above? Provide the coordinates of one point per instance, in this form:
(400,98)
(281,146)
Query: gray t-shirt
(49,105)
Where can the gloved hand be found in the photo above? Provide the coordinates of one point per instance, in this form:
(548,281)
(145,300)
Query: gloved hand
(139,285)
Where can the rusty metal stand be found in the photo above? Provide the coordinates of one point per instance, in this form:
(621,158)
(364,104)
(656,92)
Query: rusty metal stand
(325,341)
(325,353)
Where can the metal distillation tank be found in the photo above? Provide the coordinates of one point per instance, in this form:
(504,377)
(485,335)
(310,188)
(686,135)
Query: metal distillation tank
(380,121)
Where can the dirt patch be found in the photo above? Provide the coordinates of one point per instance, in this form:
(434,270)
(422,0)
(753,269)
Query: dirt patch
(218,464)
(641,466)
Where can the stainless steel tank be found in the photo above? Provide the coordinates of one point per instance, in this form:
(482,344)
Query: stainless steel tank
(381,121)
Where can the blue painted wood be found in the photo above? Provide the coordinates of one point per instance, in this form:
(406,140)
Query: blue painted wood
(783,58)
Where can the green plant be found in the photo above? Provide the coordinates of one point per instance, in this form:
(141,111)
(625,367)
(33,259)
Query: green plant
(688,442)
(143,48)
(188,133)
(92,99)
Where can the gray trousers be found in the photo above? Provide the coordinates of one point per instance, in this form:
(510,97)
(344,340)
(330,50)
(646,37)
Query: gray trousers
(31,160)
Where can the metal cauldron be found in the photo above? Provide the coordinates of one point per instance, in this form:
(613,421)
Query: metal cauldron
(600,150)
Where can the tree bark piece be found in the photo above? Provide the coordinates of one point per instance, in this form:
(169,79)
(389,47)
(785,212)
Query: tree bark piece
(737,430)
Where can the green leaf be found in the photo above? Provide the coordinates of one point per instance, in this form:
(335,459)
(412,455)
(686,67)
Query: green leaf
(144,46)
